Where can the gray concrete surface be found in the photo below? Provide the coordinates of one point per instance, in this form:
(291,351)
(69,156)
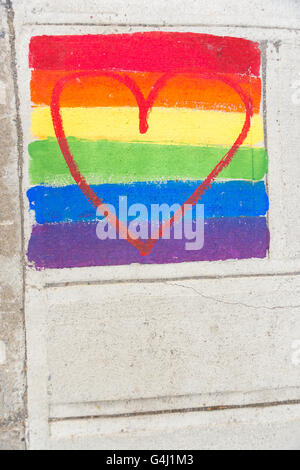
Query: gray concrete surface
(12,336)
(237,354)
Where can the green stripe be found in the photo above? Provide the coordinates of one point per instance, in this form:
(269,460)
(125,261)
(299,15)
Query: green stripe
(115,162)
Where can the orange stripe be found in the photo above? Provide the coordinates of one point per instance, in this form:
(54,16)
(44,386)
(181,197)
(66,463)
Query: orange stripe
(181,91)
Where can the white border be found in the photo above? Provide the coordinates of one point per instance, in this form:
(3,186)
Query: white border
(276,260)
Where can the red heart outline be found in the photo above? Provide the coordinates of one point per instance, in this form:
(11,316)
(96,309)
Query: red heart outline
(145,106)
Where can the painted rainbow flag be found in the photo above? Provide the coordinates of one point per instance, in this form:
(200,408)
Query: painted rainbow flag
(154,134)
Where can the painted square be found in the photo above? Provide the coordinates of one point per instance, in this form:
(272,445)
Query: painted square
(150,116)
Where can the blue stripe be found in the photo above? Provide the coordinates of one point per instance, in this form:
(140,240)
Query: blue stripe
(228,199)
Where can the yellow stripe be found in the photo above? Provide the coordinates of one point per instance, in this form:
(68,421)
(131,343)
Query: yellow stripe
(166,126)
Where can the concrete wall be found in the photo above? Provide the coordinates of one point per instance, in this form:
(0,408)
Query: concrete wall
(211,358)
(12,335)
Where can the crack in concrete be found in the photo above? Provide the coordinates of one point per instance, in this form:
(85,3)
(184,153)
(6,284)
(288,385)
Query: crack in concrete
(167,25)
(231,303)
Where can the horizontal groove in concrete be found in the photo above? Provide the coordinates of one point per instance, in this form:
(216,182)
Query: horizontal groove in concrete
(181,410)
(158,280)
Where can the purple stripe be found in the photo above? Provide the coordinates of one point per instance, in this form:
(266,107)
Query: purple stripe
(76,245)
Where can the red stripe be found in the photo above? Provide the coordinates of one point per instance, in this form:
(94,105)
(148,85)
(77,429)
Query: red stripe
(146,52)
